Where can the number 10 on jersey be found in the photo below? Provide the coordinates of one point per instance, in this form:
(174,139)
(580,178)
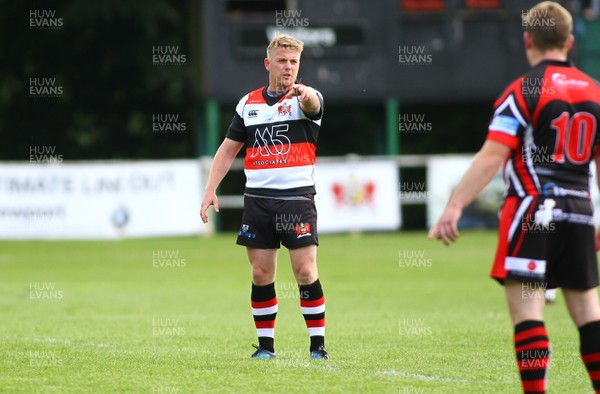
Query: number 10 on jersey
(577,133)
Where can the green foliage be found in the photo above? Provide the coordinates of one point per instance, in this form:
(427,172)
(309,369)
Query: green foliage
(102,59)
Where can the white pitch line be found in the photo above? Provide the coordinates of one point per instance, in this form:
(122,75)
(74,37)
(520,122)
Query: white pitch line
(68,342)
(417,376)
(52,340)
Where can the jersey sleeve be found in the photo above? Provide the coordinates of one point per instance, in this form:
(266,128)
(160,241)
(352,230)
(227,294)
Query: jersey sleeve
(509,122)
(237,128)
(318,115)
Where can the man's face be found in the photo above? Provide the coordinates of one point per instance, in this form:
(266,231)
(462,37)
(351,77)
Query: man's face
(283,68)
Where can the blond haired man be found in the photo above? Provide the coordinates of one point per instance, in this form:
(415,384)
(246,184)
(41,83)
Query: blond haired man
(279,124)
(545,132)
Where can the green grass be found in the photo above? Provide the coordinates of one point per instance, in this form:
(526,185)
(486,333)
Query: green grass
(115,323)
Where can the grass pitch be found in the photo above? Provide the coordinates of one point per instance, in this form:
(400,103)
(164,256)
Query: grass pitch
(404,315)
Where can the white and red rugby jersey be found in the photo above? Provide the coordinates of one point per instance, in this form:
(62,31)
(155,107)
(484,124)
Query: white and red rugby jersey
(280,143)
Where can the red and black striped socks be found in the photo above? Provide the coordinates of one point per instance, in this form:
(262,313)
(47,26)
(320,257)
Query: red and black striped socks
(589,337)
(312,305)
(533,355)
(264,310)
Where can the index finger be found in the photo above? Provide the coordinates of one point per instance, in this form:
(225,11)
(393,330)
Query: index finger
(433,232)
(293,91)
(203,215)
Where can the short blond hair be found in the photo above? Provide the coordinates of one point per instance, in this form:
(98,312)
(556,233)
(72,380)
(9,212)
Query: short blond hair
(549,24)
(284,41)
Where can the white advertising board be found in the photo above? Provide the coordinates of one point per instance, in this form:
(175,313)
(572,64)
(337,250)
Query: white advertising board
(443,175)
(100,200)
(357,195)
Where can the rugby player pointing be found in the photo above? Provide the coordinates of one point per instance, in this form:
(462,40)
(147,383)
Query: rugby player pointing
(279,124)
(545,132)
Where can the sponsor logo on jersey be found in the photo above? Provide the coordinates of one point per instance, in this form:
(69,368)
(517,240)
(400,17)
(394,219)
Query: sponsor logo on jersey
(506,124)
(303,230)
(253,113)
(562,81)
(551,189)
(284,109)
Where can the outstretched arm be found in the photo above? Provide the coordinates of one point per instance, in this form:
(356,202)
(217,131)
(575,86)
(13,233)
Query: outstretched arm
(484,167)
(221,165)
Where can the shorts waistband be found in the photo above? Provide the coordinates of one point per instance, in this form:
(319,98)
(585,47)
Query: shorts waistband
(288,198)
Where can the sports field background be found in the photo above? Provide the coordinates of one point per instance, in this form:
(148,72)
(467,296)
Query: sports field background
(404,315)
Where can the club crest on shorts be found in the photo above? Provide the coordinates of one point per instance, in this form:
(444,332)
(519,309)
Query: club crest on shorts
(303,230)
(245,231)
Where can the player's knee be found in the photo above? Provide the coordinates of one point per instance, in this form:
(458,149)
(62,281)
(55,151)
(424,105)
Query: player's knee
(306,273)
(262,276)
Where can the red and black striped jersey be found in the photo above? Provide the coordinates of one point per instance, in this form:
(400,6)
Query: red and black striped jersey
(549,118)
(280,143)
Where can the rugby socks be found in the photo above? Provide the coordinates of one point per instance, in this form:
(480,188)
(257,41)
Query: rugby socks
(264,310)
(312,305)
(533,355)
(589,337)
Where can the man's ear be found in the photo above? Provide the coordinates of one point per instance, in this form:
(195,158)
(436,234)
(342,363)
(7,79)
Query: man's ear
(527,40)
(267,64)
(570,43)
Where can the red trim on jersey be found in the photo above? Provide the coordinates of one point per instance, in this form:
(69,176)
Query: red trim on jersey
(264,304)
(591,358)
(300,154)
(520,100)
(524,175)
(507,214)
(523,231)
(265,324)
(503,138)
(256,97)
(532,332)
(312,303)
(315,323)
(508,91)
